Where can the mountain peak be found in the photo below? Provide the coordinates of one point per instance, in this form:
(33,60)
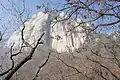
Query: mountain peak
(70,38)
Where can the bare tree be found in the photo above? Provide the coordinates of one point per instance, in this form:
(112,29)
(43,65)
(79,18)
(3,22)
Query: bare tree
(97,59)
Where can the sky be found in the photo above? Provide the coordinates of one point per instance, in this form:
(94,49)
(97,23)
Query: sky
(31,4)
(6,17)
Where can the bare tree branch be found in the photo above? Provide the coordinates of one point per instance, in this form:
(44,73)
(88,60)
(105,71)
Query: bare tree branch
(25,60)
(40,67)
(103,67)
(11,58)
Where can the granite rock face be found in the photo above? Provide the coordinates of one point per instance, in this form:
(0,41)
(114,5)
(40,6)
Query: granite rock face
(60,35)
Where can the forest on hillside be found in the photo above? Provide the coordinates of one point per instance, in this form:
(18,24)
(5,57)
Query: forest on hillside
(60,40)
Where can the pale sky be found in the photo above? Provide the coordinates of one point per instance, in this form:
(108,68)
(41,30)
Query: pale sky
(8,21)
